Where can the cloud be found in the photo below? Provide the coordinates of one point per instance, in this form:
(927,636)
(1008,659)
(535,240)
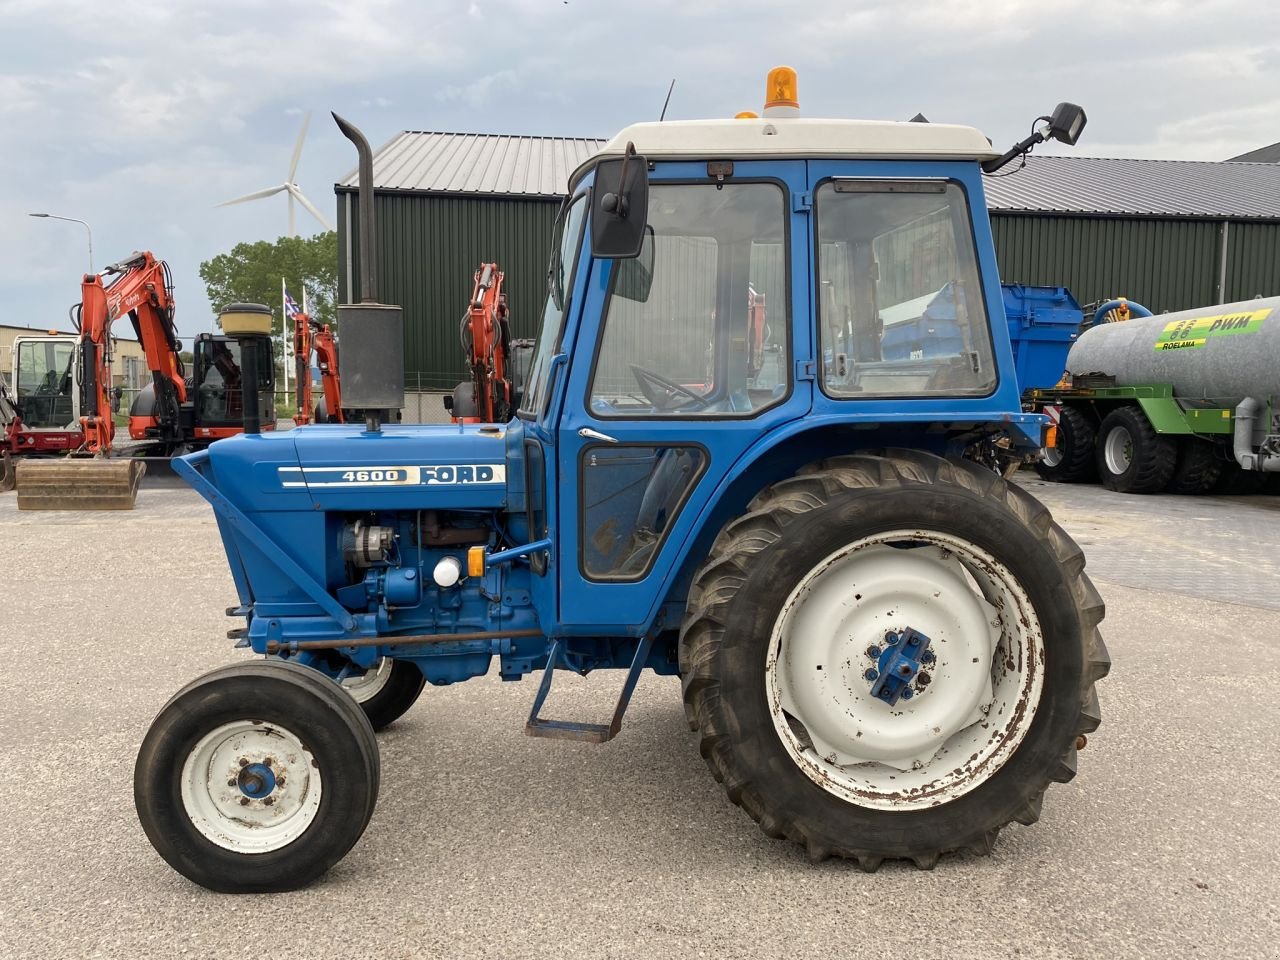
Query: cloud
(142,139)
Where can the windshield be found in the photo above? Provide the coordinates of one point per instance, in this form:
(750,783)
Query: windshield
(900,307)
(43,380)
(559,281)
(697,325)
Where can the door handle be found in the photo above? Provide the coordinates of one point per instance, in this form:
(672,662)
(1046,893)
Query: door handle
(586,433)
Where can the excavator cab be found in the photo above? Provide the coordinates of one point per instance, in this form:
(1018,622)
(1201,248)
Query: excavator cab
(215,391)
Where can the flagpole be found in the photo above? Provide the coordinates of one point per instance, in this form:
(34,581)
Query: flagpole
(284,338)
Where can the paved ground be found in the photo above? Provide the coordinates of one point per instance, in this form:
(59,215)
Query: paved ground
(486,843)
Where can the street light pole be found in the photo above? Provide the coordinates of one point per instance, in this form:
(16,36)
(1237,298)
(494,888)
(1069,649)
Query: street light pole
(54,216)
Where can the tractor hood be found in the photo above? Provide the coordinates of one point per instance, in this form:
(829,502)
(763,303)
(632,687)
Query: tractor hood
(344,468)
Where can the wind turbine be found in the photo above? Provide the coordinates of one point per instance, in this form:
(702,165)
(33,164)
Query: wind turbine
(294,191)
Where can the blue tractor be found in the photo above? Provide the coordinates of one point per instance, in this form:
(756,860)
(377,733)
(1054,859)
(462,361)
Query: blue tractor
(717,471)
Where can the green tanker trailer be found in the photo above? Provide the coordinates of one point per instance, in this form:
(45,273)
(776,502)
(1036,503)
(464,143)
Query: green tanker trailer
(1184,402)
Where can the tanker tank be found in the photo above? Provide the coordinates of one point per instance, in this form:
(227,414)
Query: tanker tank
(1222,353)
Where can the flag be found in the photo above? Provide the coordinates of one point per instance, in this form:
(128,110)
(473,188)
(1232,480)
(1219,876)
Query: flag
(291,308)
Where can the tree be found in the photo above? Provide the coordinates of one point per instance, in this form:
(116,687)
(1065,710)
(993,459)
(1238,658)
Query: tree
(251,273)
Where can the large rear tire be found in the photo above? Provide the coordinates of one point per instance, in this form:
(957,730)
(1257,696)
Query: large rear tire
(1131,456)
(777,645)
(1071,460)
(257,777)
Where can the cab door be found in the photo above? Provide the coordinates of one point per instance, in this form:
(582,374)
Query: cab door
(683,358)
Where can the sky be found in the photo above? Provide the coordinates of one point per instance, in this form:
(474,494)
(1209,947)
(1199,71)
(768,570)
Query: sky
(138,117)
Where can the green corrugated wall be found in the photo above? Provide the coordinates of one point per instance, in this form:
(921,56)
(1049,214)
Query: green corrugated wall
(1253,260)
(431,245)
(1162,264)
(428,250)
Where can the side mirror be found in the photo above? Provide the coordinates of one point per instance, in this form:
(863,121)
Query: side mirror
(620,206)
(1067,123)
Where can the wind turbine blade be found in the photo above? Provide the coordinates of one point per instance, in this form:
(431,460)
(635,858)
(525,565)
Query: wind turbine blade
(257,195)
(297,147)
(310,207)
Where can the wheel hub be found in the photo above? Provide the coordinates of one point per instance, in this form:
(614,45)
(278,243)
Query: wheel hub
(898,664)
(887,723)
(251,786)
(256,780)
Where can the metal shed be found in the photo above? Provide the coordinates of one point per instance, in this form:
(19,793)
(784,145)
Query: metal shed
(445,203)
(1170,234)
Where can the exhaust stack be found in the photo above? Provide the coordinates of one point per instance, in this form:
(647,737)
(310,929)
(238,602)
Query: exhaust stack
(372,332)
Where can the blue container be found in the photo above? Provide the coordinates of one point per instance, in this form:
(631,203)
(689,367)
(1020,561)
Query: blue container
(1043,324)
(933,334)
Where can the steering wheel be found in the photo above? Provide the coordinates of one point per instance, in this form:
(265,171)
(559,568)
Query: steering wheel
(662,392)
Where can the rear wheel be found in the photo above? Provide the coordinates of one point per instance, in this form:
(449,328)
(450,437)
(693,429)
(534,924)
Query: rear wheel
(1198,467)
(788,631)
(257,777)
(1131,456)
(1071,458)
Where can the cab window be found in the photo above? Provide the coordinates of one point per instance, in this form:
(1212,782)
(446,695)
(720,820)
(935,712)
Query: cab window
(900,307)
(696,326)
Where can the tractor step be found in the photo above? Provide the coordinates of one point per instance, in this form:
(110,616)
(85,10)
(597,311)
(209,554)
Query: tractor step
(71,483)
(573,730)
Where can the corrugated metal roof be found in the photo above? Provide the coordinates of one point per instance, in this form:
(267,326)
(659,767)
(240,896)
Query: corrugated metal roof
(432,162)
(1151,188)
(1267,154)
(486,163)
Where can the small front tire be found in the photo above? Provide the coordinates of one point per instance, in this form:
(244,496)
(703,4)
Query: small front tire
(256,778)
(386,690)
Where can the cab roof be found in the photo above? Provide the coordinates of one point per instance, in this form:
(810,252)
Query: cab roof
(797,138)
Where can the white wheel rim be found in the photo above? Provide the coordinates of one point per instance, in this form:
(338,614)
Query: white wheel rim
(236,806)
(1052,456)
(962,723)
(1118,450)
(370,683)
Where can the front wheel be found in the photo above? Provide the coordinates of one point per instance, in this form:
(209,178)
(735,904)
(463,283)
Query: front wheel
(257,777)
(892,657)
(386,690)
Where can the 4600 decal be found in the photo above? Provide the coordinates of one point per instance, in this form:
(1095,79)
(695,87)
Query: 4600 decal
(365,475)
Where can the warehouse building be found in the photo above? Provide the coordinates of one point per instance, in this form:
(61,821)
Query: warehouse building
(1169,234)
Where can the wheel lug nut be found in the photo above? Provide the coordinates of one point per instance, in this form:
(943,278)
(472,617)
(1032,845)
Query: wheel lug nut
(907,694)
(231,782)
(873,651)
(269,800)
(244,801)
(871,674)
(266,762)
(244,761)
(928,657)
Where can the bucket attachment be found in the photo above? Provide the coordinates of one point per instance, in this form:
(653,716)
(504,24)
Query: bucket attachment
(6,473)
(70,483)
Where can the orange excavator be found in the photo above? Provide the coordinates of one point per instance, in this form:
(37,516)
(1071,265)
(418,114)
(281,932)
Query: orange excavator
(490,395)
(312,336)
(172,414)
